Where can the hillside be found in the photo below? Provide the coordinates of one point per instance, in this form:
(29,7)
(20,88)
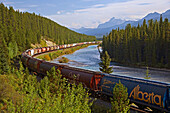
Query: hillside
(24,29)
(145,45)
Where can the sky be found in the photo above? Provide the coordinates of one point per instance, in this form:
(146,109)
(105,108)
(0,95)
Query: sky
(89,13)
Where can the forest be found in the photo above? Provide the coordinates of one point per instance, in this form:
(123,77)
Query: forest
(20,90)
(18,30)
(145,45)
(23,28)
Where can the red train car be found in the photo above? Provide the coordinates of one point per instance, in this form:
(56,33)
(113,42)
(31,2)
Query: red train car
(34,64)
(39,50)
(43,49)
(46,66)
(25,59)
(89,79)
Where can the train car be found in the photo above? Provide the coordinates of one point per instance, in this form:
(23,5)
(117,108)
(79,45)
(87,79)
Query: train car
(89,79)
(25,58)
(51,48)
(61,46)
(43,49)
(35,51)
(47,48)
(39,50)
(34,64)
(55,47)
(46,66)
(29,52)
(145,92)
(32,52)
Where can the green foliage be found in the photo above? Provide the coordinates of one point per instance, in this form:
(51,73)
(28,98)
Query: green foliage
(63,60)
(13,49)
(43,43)
(26,29)
(4,59)
(105,63)
(20,92)
(47,57)
(147,44)
(147,73)
(120,101)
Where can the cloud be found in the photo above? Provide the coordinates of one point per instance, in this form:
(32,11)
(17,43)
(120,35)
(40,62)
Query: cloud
(99,13)
(33,6)
(98,5)
(144,4)
(60,12)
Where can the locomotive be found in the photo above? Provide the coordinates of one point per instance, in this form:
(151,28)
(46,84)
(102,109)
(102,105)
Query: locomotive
(140,91)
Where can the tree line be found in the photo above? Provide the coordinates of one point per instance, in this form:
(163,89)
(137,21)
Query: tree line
(24,28)
(146,45)
(18,30)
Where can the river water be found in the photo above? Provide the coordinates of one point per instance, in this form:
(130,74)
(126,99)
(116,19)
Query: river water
(88,58)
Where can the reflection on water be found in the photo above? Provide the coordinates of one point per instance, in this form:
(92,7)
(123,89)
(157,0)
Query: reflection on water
(88,58)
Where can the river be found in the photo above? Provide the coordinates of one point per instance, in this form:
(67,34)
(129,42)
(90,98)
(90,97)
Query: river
(88,58)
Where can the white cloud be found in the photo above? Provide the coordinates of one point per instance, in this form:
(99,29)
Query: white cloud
(60,12)
(91,17)
(33,6)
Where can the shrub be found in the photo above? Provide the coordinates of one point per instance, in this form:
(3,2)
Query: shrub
(47,57)
(120,101)
(63,60)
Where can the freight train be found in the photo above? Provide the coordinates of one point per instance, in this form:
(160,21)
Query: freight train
(143,92)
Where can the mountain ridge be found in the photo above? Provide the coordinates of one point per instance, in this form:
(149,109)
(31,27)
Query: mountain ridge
(114,23)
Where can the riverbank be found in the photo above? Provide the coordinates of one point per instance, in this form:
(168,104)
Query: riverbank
(53,55)
(88,58)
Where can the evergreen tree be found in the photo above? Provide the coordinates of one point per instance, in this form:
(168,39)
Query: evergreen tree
(120,101)
(4,59)
(105,63)
(147,73)
(147,44)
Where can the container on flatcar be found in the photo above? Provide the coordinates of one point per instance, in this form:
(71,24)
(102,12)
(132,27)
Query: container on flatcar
(89,79)
(153,94)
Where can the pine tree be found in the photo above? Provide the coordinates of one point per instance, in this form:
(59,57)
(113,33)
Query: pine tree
(147,73)
(4,61)
(120,101)
(105,63)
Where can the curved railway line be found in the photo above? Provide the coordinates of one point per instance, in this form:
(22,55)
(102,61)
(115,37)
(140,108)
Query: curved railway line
(145,93)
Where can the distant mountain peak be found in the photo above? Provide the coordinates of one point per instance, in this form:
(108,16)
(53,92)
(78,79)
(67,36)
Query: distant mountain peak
(112,22)
(112,19)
